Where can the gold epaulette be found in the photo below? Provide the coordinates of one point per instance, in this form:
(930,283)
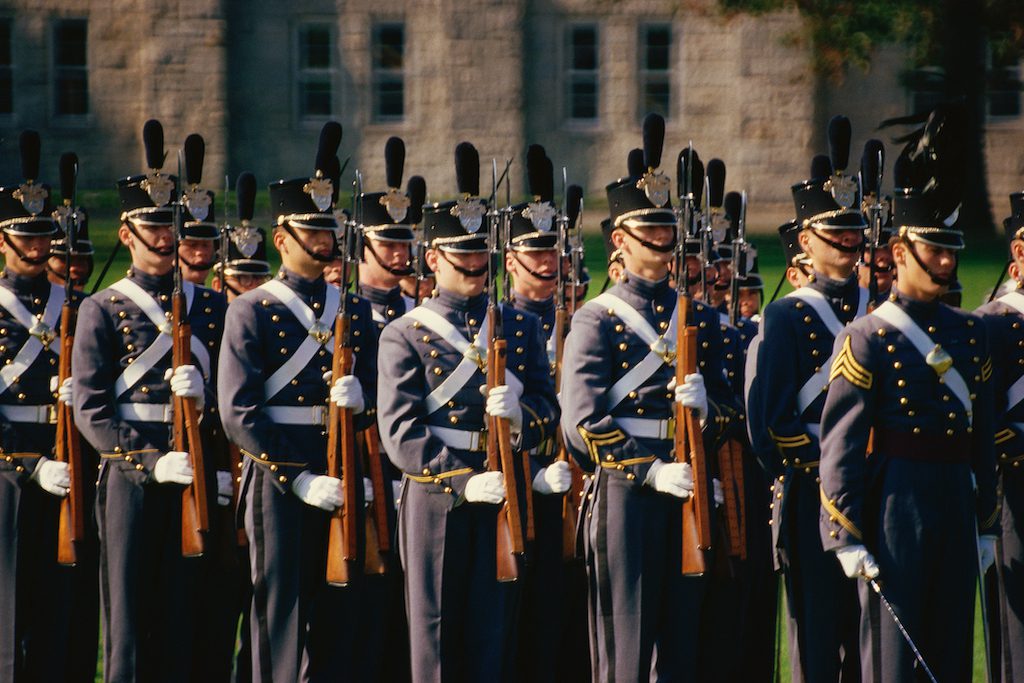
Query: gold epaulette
(835,515)
(847,366)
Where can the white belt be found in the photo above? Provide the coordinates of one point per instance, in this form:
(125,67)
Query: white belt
(146,412)
(647,428)
(298,415)
(460,438)
(35,414)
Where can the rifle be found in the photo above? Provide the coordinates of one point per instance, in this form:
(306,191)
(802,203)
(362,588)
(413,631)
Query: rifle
(509,541)
(195,513)
(71,526)
(572,208)
(689,444)
(871,168)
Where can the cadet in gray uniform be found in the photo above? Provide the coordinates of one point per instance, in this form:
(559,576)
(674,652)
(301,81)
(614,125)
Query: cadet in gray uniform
(122,359)
(35,597)
(907,431)
(432,417)
(273,389)
(618,426)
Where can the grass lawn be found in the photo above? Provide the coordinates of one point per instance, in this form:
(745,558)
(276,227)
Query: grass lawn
(979,268)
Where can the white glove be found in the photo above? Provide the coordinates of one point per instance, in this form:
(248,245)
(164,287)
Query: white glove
(367,490)
(719,493)
(347,392)
(319,490)
(857,561)
(554,479)
(396,491)
(187,382)
(673,478)
(52,476)
(503,402)
(488,487)
(692,394)
(225,488)
(986,552)
(173,468)
(65,392)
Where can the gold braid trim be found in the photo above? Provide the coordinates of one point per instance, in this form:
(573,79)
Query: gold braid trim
(833,511)
(991,520)
(986,369)
(263,460)
(1004,436)
(847,366)
(595,440)
(615,464)
(430,478)
(790,441)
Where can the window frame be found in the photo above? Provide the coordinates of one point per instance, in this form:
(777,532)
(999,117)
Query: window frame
(379,74)
(572,75)
(8,22)
(647,76)
(304,75)
(60,71)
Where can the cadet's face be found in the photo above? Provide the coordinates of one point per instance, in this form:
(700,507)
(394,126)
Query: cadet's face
(333,272)
(544,262)
(914,280)
(830,261)
(239,284)
(884,270)
(159,237)
(197,251)
(615,270)
(394,255)
(295,258)
(81,269)
(642,260)
(34,248)
(445,264)
(750,302)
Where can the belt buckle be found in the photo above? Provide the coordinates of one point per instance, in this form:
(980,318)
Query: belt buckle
(481,441)
(670,428)
(322,413)
(51,413)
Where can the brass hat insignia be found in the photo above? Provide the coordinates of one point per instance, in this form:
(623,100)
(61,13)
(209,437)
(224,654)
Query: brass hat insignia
(197,201)
(32,197)
(541,214)
(159,188)
(247,239)
(843,189)
(470,213)
(656,186)
(396,203)
(320,190)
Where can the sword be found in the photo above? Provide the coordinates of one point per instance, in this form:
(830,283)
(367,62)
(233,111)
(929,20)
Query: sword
(899,625)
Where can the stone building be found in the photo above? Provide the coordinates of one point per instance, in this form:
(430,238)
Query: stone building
(258,78)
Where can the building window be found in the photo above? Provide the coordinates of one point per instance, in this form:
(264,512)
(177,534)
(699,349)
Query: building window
(6,69)
(71,73)
(927,87)
(314,79)
(582,73)
(655,69)
(388,75)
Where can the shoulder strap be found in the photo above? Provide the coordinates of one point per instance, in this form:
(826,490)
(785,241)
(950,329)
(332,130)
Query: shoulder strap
(817,301)
(898,318)
(473,355)
(1014,300)
(28,353)
(1015,394)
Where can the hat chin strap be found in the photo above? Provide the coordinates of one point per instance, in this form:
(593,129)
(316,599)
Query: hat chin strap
(401,271)
(166,251)
(837,245)
(202,265)
(941,281)
(468,272)
(539,276)
(322,258)
(664,249)
(35,261)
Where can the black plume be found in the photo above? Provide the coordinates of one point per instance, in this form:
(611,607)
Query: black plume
(195,154)
(29,144)
(839,134)
(716,182)
(68,176)
(540,173)
(327,147)
(821,167)
(934,161)
(573,204)
(654,140)
(332,170)
(417,191)
(872,161)
(394,161)
(245,192)
(902,175)
(696,174)
(734,210)
(635,163)
(153,141)
(467,169)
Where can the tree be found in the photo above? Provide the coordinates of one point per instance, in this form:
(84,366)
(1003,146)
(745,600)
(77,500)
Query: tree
(971,41)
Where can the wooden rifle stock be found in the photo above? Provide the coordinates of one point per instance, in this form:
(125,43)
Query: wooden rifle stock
(195,512)
(689,447)
(510,545)
(378,533)
(71,528)
(571,501)
(341,464)
(730,467)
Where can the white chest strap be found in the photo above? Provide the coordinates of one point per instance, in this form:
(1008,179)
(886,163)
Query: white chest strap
(28,353)
(377,316)
(898,318)
(662,346)
(816,383)
(1015,394)
(152,355)
(320,332)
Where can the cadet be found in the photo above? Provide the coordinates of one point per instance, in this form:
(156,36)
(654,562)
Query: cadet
(618,426)
(532,260)
(792,372)
(432,417)
(34,594)
(245,266)
(273,390)
(122,358)
(907,428)
(1004,319)
(80,260)
(197,249)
